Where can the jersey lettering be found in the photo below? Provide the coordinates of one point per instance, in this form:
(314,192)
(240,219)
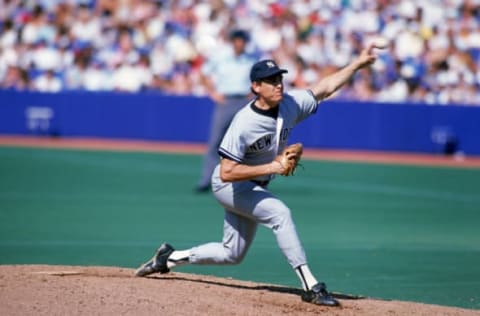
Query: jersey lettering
(261,143)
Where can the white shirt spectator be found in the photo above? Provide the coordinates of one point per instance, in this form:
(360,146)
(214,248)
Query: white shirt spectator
(408,44)
(130,78)
(395,92)
(30,33)
(87,27)
(47,82)
(179,48)
(360,21)
(311,51)
(266,37)
(439,40)
(46,57)
(8,39)
(97,79)
(9,57)
(161,62)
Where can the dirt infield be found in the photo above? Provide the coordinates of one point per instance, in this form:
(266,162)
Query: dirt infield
(152,146)
(70,290)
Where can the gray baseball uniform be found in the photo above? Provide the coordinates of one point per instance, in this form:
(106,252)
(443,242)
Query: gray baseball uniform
(256,137)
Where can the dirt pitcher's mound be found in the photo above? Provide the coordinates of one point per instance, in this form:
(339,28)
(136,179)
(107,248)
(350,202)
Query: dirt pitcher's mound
(62,290)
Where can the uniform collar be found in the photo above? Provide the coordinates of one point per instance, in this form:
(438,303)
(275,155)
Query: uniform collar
(273,112)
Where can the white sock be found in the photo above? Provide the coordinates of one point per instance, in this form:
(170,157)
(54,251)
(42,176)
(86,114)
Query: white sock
(306,277)
(178,258)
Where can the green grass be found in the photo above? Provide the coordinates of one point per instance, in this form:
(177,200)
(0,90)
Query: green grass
(388,231)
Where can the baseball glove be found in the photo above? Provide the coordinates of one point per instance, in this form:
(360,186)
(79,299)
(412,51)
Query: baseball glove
(289,158)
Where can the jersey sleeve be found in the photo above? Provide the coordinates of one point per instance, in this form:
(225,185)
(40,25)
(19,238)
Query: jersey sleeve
(232,146)
(307,104)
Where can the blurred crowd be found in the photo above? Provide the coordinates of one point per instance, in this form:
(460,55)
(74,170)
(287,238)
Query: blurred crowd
(147,45)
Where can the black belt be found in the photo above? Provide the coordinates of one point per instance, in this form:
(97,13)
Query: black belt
(261,183)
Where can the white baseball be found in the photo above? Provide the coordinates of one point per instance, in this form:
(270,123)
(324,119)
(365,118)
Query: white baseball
(380,42)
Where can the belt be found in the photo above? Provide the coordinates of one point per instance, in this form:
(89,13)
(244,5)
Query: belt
(261,183)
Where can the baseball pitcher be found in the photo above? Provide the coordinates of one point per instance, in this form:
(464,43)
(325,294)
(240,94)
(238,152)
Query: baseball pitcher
(253,151)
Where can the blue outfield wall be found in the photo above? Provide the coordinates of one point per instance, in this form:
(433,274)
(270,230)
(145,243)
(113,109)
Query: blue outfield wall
(106,115)
(152,116)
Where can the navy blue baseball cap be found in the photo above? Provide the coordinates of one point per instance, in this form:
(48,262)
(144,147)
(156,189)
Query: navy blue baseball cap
(264,69)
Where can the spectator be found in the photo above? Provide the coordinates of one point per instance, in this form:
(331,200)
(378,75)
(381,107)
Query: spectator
(309,37)
(94,77)
(15,79)
(226,77)
(48,82)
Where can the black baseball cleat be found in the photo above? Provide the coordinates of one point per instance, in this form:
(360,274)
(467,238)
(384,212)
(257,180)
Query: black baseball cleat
(158,263)
(318,295)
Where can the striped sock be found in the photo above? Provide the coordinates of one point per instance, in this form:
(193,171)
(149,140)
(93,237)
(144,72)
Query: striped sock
(306,277)
(178,258)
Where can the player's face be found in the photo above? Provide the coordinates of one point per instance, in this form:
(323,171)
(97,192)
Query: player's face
(271,89)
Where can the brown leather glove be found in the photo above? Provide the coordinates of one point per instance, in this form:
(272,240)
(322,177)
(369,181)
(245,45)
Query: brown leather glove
(289,158)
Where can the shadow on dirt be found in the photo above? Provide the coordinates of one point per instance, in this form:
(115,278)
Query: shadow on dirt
(270,288)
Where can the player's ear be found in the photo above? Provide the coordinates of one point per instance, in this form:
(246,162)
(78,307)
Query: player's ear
(256,87)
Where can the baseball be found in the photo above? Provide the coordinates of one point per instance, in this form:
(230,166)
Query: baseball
(380,42)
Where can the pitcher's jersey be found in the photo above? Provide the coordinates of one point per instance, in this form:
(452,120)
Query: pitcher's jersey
(251,138)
